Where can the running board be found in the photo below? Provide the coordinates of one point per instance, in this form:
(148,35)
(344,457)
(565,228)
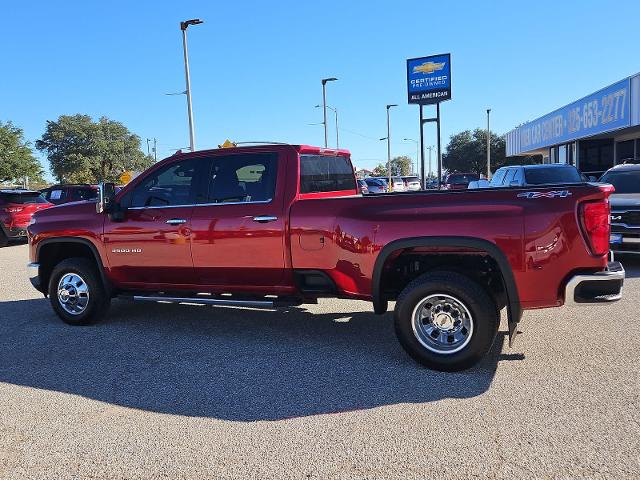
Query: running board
(207,301)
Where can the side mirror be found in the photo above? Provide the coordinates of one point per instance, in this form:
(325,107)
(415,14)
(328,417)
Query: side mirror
(106,197)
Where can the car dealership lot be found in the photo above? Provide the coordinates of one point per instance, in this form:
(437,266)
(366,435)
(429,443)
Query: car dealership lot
(321,391)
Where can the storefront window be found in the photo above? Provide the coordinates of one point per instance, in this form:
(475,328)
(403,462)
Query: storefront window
(562,154)
(624,151)
(596,156)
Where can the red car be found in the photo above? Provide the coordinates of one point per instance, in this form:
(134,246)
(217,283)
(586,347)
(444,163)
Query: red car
(459,181)
(16,209)
(270,225)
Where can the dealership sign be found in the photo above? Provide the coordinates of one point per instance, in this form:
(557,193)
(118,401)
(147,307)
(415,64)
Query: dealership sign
(429,79)
(606,110)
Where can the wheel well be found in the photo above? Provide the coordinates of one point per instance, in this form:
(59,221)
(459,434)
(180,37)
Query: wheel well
(403,266)
(50,254)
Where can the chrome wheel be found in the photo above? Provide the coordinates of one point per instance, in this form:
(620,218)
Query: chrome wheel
(73,293)
(442,323)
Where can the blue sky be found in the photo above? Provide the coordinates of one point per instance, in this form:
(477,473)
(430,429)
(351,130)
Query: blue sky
(256,66)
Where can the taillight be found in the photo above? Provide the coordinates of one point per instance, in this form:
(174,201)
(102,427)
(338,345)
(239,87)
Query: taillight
(596,226)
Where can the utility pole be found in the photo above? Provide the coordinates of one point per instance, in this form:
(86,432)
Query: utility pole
(155,150)
(430,148)
(183,26)
(488,146)
(324,107)
(389,145)
(417,154)
(148,150)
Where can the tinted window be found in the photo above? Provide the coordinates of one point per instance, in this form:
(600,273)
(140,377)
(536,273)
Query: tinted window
(243,178)
(323,173)
(411,179)
(541,175)
(625,182)
(462,178)
(181,183)
(22,198)
(374,182)
(84,194)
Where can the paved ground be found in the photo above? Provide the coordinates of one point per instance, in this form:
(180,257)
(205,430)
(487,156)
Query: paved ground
(164,391)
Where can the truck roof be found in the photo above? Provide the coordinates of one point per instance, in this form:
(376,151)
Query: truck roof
(260,146)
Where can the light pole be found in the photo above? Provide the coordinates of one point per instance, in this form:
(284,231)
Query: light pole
(389,145)
(488,146)
(324,106)
(417,152)
(430,148)
(335,112)
(183,26)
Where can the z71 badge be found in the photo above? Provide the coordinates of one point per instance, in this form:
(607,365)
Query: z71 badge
(552,194)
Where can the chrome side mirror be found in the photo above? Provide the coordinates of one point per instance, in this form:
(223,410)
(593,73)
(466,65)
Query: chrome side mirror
(106,197)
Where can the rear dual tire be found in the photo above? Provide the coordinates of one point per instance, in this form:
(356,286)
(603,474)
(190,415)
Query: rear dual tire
(446,321)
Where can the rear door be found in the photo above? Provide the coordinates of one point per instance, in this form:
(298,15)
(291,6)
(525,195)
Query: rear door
(153,243)
(239,229)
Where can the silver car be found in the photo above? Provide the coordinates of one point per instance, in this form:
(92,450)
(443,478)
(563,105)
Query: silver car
(411,183)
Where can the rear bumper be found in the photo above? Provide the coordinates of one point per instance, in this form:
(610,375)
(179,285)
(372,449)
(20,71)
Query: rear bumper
(600,287)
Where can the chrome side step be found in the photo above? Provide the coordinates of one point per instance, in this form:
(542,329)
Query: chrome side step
(207,301)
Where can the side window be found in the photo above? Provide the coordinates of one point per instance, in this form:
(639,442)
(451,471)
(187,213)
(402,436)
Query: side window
(243,178)
(180,183)
(85,194)
(508,178)
(497,179)
(325,173)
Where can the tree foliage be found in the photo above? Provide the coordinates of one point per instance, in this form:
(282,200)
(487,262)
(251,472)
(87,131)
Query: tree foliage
(83,151)
(467,152)
(16,157)
(399,166)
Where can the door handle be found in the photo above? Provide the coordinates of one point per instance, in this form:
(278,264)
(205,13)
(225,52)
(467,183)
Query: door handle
(176,221)
(264,218)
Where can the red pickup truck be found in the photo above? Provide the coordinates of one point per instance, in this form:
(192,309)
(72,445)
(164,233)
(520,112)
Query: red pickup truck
(269,225)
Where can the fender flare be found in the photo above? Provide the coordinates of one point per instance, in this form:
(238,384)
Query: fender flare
(514,309)
(85,242)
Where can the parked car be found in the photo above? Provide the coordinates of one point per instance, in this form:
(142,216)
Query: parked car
(530,175)
(459,181)
(16,209)
(59,194)
(362,185)
(625,208)
(411,183)
(235,227)
(376,185)
(397,184)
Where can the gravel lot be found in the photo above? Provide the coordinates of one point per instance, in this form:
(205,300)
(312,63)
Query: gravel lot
(324,391)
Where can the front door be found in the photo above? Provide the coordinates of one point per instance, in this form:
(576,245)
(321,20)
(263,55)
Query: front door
(238,237)
(152,245)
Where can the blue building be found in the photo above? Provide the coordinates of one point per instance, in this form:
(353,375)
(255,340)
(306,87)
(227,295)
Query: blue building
(594,133)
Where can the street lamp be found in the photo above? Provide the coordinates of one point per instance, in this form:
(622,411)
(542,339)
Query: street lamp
(183,26)
(389,145)
(335,112)
(324,106)
(488,147)
(417,151)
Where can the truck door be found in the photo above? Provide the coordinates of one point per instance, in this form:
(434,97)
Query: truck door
(152,245)
(238,239)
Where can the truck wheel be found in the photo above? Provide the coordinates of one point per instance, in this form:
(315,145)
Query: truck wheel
(446,321)
(76,292)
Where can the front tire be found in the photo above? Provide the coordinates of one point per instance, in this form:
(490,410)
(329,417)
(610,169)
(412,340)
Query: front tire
(76,292)
(446,321)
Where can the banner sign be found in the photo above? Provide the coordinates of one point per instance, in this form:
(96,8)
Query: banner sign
(606,110)
(429,79)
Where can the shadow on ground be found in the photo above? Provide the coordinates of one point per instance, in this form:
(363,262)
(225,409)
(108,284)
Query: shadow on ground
(232,364)
(631,264)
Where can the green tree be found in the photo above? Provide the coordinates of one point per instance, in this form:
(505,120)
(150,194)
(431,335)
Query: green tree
(399,166)
(81,150)
(16,157)
(467,152)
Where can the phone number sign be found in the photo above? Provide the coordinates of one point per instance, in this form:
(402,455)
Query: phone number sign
(603,111)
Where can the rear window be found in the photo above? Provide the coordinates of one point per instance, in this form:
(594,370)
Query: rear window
(324,173)
(411,179)
(461,178)
(22,198)
(625,182)
(539,176)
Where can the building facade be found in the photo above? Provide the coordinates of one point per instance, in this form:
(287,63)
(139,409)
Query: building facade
(594,133)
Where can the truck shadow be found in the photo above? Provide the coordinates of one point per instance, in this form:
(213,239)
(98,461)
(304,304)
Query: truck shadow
(226,363)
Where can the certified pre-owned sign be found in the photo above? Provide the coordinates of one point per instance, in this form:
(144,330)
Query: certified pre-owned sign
(429,79)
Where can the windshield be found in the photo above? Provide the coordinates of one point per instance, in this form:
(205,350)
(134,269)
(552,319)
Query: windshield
(539,176)
(461,178)
(624,181)
(22,198)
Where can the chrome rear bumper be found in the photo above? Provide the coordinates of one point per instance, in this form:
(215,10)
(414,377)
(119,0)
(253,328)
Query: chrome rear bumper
(599,287)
